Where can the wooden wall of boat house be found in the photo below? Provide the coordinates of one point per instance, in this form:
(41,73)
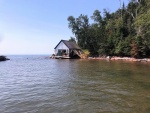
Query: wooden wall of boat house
(61,46)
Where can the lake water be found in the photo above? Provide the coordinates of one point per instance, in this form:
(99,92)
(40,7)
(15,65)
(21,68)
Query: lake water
(37,84)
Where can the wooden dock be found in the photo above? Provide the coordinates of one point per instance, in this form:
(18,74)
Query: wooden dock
(62,57)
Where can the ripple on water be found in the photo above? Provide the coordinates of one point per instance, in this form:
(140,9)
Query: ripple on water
(33,84)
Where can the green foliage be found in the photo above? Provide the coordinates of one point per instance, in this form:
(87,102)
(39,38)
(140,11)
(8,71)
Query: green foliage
(125,32)
(72,39)
(80,27)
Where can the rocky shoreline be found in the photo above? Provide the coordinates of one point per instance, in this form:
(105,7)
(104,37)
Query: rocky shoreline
(3,58)
(114,58)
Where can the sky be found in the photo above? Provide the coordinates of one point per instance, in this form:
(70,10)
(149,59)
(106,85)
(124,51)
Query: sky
(36,26)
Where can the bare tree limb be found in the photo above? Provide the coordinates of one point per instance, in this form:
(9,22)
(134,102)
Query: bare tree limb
(130,14)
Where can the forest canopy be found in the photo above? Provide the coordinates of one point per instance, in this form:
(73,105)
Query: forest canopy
(125,32)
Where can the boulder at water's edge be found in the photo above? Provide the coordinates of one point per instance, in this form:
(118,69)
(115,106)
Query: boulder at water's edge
(3,58)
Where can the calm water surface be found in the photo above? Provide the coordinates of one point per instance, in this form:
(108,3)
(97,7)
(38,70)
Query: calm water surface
(36,84)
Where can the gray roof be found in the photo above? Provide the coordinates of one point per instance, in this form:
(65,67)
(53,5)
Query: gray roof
(69,44)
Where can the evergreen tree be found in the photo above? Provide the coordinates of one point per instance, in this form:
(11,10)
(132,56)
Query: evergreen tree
(125,32)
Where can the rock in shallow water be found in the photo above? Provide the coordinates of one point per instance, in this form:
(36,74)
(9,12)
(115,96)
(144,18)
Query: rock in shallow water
(3,58)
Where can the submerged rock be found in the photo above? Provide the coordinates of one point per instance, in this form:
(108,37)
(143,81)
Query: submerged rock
(3,58)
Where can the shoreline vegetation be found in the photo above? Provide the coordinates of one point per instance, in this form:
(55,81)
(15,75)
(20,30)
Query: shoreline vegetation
(124,33)
(3,58)
(86,55)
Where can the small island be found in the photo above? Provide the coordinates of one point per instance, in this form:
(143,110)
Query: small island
(3,58)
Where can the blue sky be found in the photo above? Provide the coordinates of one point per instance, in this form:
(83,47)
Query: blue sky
(36,26)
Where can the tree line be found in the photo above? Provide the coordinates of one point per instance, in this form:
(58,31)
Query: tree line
(125,32)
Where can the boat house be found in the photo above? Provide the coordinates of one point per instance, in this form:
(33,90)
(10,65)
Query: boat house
(67,49)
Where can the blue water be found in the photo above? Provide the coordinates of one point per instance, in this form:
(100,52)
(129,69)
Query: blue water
(37,84)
